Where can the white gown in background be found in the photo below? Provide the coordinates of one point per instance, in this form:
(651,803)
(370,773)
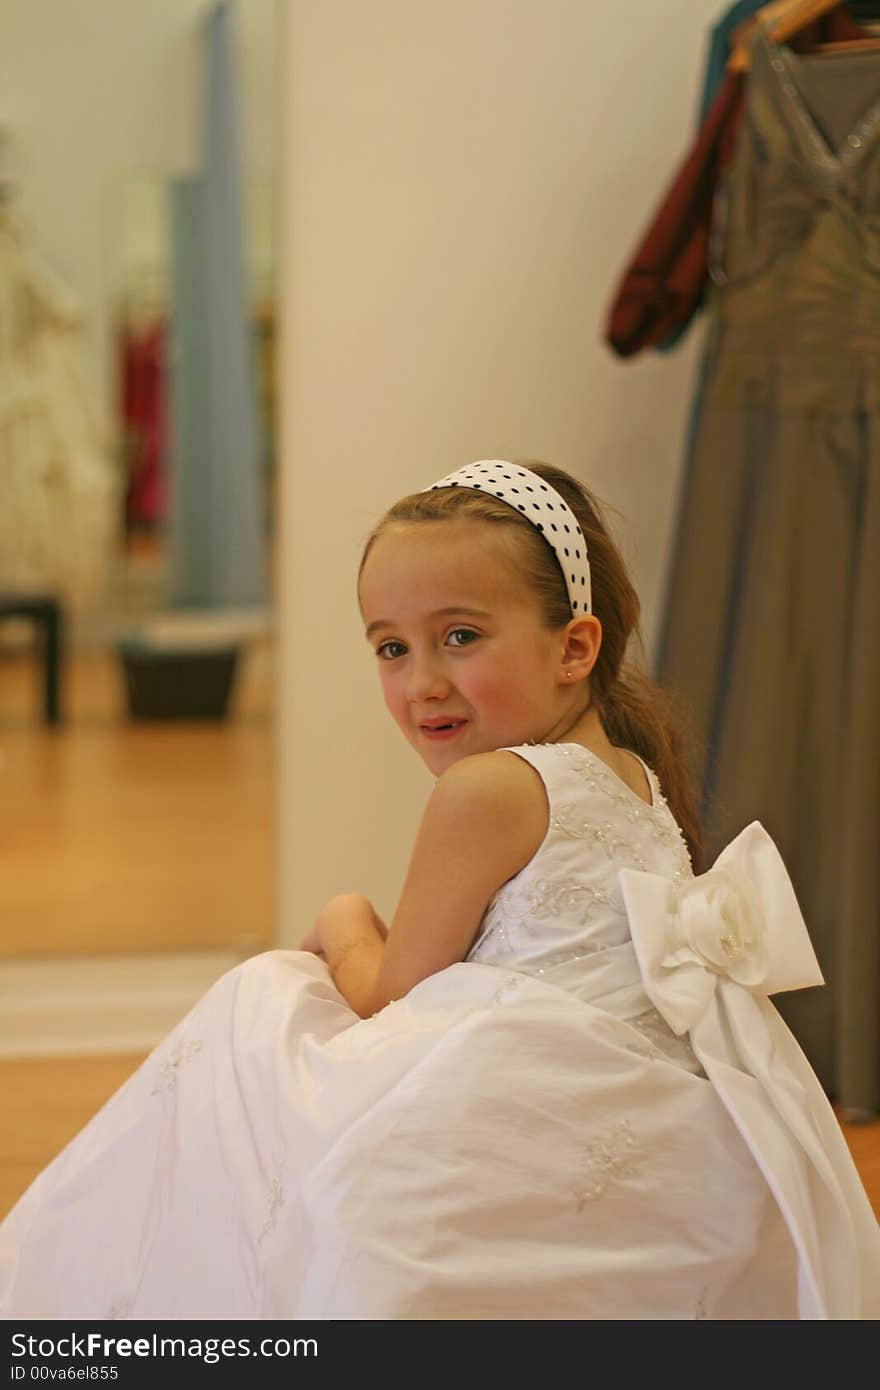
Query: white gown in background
(524,1135)
(59,483)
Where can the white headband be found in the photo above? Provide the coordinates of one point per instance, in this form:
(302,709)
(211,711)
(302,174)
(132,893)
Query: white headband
(540,504)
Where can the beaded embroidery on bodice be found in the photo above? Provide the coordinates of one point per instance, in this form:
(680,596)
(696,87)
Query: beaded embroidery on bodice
(566,903)
(562,918)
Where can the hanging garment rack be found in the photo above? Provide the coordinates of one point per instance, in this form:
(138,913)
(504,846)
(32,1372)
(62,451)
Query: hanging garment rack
(784,18)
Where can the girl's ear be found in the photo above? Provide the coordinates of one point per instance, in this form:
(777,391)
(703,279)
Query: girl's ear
(582,641)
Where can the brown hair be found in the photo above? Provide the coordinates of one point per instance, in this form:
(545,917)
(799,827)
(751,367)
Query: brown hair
(635,712)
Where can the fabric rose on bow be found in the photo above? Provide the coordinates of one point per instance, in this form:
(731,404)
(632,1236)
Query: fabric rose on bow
(738,922)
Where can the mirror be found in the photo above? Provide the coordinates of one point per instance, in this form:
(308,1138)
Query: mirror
(136,708)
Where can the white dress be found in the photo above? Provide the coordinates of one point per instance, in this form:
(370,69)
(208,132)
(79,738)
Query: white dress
(59,483)
(523,1135)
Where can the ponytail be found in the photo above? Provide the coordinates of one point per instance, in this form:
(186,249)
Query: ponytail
(639,715)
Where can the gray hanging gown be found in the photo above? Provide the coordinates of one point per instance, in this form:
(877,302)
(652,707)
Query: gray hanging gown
(772,614)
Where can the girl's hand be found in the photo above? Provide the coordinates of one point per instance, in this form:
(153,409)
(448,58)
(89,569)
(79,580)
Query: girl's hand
(340,920)
(350,938)
(311,942)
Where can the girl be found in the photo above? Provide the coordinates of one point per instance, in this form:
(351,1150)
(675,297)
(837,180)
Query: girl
(555,1086)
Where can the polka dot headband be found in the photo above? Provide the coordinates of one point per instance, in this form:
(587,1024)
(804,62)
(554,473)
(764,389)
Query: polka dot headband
(542,505)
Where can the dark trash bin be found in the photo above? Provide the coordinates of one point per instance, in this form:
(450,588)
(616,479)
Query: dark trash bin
(178,683)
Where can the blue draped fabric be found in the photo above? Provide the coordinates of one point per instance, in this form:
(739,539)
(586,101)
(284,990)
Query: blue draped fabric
(217,546)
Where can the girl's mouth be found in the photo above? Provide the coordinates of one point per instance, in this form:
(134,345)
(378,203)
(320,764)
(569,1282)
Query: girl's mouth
(439,733)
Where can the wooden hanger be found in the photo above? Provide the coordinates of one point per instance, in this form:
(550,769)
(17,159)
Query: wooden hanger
(846,46)
(786,17)
(870,41)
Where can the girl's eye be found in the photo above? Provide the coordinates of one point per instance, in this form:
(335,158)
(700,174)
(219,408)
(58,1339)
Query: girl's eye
(384,652)
(464,632)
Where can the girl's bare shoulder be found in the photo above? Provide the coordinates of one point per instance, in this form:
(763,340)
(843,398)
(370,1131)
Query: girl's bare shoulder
(502,786)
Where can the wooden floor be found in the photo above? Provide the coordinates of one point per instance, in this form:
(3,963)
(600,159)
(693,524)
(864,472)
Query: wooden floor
(44,1102)
(122,836)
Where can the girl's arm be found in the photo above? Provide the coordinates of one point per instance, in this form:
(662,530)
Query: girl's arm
(350,936)
(485,819)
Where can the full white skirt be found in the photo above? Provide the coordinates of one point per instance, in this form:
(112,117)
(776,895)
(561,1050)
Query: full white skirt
(488,1147)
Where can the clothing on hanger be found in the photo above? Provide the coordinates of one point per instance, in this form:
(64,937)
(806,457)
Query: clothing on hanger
(143,366)
(719,51)
(663,283)
(783,19)
(773,598)
(58,480)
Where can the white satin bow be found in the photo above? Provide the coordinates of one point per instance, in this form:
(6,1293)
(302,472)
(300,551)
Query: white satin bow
(710,950)
(739,921)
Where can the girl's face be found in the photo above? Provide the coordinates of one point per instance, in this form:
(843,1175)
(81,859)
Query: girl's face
(465,662)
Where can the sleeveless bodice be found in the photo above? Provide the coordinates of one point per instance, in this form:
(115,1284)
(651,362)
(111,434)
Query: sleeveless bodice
(566,903)
(562,918)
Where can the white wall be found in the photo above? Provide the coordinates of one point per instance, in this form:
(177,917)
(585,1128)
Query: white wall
(96,92)
(463,182)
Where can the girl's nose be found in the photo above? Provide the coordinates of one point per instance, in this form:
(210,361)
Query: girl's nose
(427,680)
